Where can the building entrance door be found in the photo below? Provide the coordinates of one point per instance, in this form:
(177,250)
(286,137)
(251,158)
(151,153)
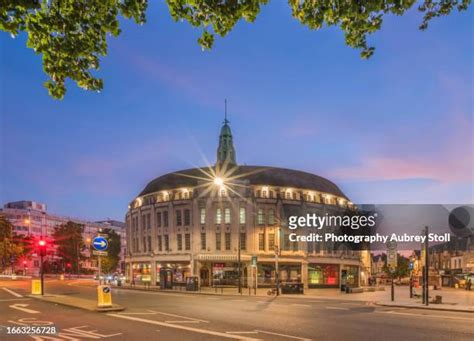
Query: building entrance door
(204,277)
(343,280)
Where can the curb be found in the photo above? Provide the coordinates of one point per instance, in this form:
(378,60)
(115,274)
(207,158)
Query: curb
(424,307)
(114,307)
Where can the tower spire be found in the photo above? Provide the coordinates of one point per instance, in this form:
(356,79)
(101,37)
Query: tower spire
(226,150)
(225,111)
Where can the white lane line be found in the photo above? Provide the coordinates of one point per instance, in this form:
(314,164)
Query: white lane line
(14,299)
(337,308)
(254,332)
(180,316)
(237,300)
(300,305)
(187,321)
(283,335)
(22,307)
(12,292)
(190,329)
(424,315)
(137,313)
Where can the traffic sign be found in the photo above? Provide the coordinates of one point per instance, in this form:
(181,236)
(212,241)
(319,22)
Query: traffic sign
(99,253)
(100,243)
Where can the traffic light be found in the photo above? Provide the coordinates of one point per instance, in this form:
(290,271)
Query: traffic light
(42,247)
(24,262)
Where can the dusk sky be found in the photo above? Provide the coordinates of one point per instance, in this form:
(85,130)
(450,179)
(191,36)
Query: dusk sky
(397,128)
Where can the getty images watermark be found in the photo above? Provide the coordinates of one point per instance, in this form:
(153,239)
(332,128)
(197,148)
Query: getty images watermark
(359,228)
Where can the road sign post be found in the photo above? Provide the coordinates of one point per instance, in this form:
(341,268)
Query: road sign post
(100,245)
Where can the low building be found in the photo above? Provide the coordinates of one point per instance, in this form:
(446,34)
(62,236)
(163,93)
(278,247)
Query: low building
(30,218)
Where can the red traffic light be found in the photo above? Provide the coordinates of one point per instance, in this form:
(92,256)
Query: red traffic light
(24,262)
(68,265)
(42,242)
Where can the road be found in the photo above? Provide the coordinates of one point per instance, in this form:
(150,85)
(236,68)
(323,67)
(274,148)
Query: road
(180,316)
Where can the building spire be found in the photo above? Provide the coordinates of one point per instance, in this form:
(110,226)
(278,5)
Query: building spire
(226,150)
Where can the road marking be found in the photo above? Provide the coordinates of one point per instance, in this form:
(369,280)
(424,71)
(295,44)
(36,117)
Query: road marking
(254,332)
(190,329)
(14,299)
(283,335)
(137,313)
(22,307)
(237,300)
(12,292)
(174,315)
(187,321)
(337,308)
(425,315)
(301,305)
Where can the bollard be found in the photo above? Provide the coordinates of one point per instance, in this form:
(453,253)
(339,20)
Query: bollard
(36,287)
(104,296)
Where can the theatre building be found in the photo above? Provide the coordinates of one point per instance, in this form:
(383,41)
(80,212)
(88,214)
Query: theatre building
(207,221)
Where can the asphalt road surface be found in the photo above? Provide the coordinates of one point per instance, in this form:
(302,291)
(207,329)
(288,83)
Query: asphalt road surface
(180,316)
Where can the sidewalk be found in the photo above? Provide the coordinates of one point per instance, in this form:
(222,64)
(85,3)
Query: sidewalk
(76,302)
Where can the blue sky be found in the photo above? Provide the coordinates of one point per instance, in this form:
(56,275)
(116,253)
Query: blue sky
(397,128)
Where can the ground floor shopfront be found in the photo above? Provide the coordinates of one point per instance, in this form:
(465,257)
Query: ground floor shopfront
(224,271)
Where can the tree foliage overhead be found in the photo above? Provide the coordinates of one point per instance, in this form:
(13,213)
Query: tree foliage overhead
(71,35)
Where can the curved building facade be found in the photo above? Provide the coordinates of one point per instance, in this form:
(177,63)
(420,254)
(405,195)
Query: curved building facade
(210,222)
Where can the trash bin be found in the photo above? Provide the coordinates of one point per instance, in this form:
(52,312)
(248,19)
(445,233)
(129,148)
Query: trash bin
(292,288)
(192,283)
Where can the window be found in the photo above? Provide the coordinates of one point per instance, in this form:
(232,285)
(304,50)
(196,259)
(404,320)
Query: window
(148,221)
(243,241)
(160,245)
(310,247)
(187,241)
(295,246)
(187,217)
(271,217)
(242,215)
(167,242)
(165,218)
(179,241)
(144,244)
(227,215)
(149,243)
(179,218)
(286,242)
(203,215)
(218,241)
(260,217)
(261,241)
(227,241)
(143,222)
(158,219)
(203,240)
(271,241)
(218,216)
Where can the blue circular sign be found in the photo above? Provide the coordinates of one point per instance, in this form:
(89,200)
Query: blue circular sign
(100,243)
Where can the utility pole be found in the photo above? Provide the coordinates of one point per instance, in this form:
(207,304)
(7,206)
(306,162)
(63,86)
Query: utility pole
(239,260)
(427,267)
